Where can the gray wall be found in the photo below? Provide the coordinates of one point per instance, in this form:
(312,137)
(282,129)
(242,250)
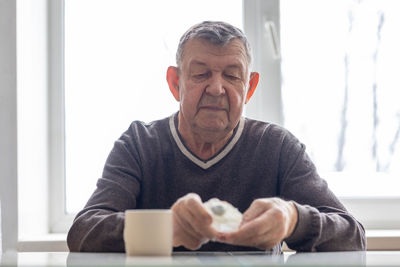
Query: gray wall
(8,124)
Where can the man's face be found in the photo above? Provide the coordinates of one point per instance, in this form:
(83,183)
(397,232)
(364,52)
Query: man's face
(212,85)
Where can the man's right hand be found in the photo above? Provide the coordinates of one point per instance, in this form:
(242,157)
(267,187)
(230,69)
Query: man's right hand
(192,222)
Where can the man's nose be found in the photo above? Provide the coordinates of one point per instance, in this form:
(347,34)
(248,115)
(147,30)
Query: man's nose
(216,86)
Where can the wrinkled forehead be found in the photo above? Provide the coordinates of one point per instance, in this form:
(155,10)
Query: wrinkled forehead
(203,50)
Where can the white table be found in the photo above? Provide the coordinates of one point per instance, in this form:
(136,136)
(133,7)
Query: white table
(372,258)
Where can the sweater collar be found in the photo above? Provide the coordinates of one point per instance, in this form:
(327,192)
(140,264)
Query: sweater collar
(205,164)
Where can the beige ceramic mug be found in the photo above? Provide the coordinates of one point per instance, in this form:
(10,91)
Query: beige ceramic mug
(148,232)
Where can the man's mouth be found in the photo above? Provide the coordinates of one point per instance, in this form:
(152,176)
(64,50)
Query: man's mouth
(212,108)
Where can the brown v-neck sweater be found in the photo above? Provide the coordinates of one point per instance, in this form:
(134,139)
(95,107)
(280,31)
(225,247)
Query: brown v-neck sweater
(150,168)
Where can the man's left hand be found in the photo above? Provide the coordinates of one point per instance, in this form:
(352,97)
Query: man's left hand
(266,223)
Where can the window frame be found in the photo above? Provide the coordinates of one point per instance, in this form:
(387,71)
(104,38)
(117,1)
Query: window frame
(9,124)
(262,27)
(267,63)
(60,221)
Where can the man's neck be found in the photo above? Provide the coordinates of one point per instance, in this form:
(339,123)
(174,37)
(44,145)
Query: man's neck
(204,144)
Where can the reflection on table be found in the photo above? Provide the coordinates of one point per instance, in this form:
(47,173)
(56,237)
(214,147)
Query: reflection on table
(374,258)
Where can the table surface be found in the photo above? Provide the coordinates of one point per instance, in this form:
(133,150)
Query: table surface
(370,258)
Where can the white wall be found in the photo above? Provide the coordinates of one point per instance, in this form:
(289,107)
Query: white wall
(8,124)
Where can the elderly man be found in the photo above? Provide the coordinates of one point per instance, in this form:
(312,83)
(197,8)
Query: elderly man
(208,150)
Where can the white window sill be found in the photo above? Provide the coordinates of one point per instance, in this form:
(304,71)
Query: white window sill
(376,240)
(43,243)
(383,239)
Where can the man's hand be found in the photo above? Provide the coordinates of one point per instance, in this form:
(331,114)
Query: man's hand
(265,223)
(192,222)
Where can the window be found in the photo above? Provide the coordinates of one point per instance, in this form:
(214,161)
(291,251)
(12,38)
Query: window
(340,93)
(116,57)
(340,89)
(338,69)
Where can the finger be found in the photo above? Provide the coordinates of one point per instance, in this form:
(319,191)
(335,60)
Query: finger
(249,230)
(185,235)
(256,208)
(197,210)
(183,216)
(194,217)
(184,219)
(262,241)
(265,240)
(263,232)
(200,219)
(187,239)
(204,229)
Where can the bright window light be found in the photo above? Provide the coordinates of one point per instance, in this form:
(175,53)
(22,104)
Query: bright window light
(341,90)
(116,56)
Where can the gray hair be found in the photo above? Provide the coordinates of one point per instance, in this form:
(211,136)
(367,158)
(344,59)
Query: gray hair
(216,32)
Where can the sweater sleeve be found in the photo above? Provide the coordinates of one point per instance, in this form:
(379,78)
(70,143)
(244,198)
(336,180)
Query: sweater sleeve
(99,226)
(323,224)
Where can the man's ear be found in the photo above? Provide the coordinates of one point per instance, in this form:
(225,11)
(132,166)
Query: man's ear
(173,81)
(254,77)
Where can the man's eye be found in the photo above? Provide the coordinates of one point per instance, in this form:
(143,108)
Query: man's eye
(232,77)
(201,75)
